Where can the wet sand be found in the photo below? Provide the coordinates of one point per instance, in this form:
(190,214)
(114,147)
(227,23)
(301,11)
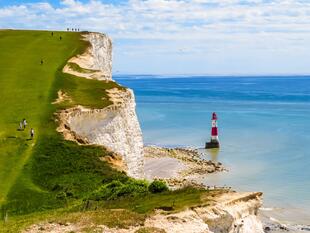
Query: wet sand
(162,168)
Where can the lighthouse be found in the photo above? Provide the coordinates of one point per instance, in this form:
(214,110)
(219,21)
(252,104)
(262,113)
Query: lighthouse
(214,142)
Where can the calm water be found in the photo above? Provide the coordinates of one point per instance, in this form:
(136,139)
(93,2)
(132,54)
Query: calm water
(264,125)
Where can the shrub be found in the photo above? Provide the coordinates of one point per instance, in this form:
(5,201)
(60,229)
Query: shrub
(133,188)
(116,189)
(158,186)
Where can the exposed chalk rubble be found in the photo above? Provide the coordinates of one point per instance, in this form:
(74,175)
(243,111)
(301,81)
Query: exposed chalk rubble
(230,213)
(226,213)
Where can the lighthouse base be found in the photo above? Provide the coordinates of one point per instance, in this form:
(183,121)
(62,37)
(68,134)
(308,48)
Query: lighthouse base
(212,144)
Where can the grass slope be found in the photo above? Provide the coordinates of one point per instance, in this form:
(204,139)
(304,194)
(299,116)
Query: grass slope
(25,92)
(48,174)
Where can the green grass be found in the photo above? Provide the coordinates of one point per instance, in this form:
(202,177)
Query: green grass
(25,92)
(49,175)
(76,88)
(28,88)
(168,201)
(111,218)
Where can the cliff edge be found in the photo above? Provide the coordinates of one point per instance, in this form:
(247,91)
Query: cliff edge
(115,127)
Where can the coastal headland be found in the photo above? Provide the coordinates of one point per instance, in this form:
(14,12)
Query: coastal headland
(85,169)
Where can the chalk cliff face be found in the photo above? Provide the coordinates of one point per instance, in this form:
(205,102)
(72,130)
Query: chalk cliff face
(101,51)
(97,58)
(115,127)
(232,213)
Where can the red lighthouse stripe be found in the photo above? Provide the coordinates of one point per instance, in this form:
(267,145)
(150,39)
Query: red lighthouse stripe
(214,131)
(214,116)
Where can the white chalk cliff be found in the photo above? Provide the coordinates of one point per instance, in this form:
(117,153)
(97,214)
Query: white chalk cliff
(115,127)
(97,58)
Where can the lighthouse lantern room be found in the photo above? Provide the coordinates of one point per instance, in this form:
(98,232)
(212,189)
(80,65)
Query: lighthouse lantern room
(214,142)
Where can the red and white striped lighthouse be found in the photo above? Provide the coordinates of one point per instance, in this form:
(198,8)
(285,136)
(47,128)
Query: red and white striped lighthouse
(214,143)
(214,132)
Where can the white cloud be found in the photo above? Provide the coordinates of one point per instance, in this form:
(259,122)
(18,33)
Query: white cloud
(192,26)
(163,17)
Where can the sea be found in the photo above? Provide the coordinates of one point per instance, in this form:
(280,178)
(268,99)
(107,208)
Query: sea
(264,130)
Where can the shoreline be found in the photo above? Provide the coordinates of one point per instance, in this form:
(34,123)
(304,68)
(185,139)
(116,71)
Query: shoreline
(179,167)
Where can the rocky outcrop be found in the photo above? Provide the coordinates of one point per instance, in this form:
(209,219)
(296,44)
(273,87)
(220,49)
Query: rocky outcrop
(228,212)
(115,127)
(179,167)
(231,213)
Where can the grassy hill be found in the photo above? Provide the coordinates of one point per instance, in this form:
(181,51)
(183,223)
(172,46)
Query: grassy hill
(48,176)
(26,88)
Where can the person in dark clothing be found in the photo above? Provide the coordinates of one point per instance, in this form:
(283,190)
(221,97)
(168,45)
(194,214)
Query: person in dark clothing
(60,38)
(52,33)
(41,61)
(31,133)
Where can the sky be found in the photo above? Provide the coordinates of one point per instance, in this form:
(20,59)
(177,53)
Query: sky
(198,37)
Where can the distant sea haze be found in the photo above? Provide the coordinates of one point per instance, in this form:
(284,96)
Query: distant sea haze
(264,128)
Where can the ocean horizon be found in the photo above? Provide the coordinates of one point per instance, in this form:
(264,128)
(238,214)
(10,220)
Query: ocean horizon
(263,123)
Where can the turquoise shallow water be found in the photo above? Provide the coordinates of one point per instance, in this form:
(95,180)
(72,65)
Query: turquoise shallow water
(264,126)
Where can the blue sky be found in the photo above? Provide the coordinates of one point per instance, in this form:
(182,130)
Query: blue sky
(248,37)
(55,3)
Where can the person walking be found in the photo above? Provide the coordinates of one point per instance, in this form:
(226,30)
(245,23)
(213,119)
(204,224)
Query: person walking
(20,126)
(24,123)
(31,133)
(42,61)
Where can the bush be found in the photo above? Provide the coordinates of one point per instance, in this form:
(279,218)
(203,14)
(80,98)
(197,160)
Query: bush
(116,189)
(158,186)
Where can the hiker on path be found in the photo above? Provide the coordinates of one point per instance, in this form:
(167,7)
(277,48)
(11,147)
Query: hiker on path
(24,123)
(20,126)
(31,133)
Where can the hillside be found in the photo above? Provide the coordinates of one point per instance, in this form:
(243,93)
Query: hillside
(49,176)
